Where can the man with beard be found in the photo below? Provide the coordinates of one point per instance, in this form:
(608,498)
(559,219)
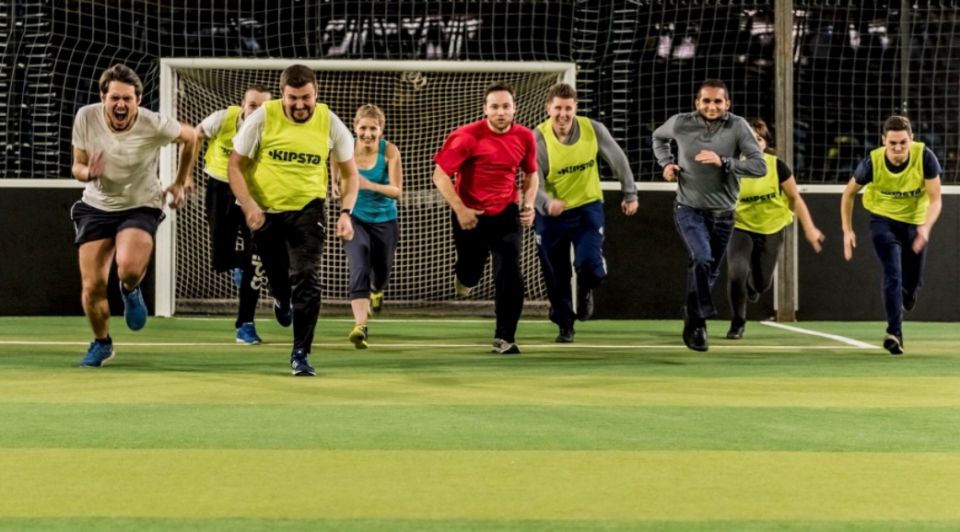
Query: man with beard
(484,157)
(278,173)
(224,216)
(570,204)
(116,149)
(715,148)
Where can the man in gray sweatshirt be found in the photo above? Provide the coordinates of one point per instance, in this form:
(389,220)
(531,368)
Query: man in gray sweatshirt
(714,147)
(570,204)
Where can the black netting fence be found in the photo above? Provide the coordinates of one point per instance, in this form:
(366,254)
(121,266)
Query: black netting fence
(639,61)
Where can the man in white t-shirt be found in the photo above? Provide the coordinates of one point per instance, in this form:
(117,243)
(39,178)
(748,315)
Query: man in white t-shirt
(116,148)
(224,217)
(278,172)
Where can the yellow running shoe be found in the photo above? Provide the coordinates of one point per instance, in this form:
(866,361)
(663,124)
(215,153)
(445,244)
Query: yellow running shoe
(358,336)
(376,303)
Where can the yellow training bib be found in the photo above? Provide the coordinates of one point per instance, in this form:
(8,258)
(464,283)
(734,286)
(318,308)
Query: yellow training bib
(291,167)
(574,177)
(902,196)
(762,207)
(220,146)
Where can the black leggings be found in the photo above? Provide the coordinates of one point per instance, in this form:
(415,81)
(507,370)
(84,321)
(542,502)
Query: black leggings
(751,259)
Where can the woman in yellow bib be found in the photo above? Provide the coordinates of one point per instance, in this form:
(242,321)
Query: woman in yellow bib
(764,208)
(902,180)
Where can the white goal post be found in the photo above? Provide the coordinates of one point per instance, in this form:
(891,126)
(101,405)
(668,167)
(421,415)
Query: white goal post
(423,100)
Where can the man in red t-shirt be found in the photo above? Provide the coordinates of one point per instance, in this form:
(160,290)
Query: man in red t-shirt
(484,156)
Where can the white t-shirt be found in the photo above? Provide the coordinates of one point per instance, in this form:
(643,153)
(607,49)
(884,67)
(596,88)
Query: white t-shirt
(130,177)
(211,125)
(247,141)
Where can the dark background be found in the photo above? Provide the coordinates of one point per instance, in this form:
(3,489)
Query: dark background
(639,61)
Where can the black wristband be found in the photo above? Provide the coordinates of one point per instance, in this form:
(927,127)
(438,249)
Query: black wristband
(345,211)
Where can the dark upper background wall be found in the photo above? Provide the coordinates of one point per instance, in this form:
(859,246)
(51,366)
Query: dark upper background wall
(639,61)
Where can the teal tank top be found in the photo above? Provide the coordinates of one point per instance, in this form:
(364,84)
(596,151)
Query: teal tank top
(373,207)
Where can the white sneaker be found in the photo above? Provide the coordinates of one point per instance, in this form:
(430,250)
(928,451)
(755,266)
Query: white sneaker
(503,347)
(461,289)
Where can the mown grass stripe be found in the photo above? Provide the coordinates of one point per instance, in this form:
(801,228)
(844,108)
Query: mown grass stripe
(94,524)
(664,485)
(499,427)
(80,386)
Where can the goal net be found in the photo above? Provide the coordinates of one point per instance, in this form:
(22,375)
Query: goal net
(423,101)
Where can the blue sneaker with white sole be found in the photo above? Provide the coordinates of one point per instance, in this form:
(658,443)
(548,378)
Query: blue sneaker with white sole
(134,309)
(98,354)
(299,365)
(247,334)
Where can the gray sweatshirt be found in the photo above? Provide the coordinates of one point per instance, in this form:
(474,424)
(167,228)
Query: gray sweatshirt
(706,186)
(608,149)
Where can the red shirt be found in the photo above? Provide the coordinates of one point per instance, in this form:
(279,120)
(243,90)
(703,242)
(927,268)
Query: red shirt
(486,163)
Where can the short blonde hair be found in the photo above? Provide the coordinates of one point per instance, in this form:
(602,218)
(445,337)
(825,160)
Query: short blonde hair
(368,110)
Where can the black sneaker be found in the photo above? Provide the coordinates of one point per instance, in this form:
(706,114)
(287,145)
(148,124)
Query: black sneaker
(893,343)
(283,313)
(909,301)
(299,365)
(565,336)
(735,332)
(584,304)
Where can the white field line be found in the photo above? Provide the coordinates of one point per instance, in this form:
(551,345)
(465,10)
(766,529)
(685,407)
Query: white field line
(835,337)
(346,345)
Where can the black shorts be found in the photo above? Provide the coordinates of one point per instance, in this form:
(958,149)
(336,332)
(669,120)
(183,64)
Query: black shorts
(91,223)
(227,223)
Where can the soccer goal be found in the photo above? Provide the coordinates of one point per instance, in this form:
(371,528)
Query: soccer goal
(423,101)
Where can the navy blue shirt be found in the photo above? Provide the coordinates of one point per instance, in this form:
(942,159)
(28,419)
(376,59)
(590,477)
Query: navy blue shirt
(931,167)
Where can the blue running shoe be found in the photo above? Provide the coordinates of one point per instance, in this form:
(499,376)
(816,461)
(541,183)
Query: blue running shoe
(134,309)
(247,334)
(237,277)
(98,354)
(284,313)
(299,365)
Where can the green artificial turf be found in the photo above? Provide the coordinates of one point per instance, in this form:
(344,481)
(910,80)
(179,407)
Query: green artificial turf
(623,430)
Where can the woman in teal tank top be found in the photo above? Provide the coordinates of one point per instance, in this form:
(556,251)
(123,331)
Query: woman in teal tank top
(376,232)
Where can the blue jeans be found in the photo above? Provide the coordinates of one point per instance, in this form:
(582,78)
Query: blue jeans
(705,234)
(902,268)
(583,228)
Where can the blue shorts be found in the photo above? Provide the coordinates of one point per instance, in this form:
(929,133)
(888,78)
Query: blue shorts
(91,223)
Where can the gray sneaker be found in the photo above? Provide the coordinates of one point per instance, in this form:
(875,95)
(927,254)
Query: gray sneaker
(503,347)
